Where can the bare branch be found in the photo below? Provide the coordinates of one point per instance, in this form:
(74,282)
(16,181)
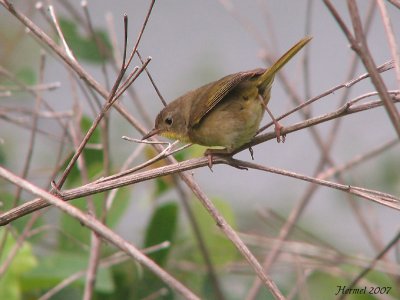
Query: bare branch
(104,184)
(361,47)
(106,233)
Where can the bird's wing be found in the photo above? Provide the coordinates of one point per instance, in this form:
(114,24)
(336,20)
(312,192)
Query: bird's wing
(211,94)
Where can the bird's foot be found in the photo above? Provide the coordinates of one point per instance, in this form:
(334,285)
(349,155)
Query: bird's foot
(251,153)
(211,153)
(278,131)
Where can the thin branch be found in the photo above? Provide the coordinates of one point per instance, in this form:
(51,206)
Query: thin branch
(246,23)
(152,81)
(18,244)
(106,233)
(232,235)
(24,175)
(168,151)
(344,110)
(141,32)
(111,196)
(97,187)
(44,38)
(104,184)
(200,240)
(307,50)
(90,81)
(28,89)
(34,127)
(100,45)
(68,51)
(157,294)
(350,107)
(93,265)
(395,3)
(131,79)
(117,61)
(394,50)
(112,260)
(389,246)
(382,68)
(40,114)
(51,86)
(357,160)
(95,243)
(339,20)
(378,197)
(110,101)
(361,47)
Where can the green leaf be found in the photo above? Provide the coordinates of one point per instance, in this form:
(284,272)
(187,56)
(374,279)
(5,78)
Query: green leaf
(3,158)
(24,261)
(162,186)
(84,46)
(86,123)
(162,227)
(193,151)
(94,163)
(125,277)
(6,203)
(325,286)
(221,249)
(118,209)
(26,75)
(93,157)
(181,155)
(390,177)
(9,287)
(76,233)
(376,278)
(55,268)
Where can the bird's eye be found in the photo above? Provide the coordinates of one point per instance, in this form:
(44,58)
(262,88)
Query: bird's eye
(168,120)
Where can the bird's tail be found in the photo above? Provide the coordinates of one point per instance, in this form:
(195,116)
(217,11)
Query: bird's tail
(268,76)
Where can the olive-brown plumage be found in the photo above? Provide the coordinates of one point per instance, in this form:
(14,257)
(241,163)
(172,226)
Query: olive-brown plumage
(226,112)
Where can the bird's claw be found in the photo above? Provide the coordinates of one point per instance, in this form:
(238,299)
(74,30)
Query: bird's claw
(251,153)
(279,134)
(210,160)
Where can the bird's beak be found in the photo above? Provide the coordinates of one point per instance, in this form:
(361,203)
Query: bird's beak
(152,132)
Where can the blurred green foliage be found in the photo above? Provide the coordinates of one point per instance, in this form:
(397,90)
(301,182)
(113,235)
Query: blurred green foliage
(11,283)
(30,275)
(62,250)
(84,46)
(27,76)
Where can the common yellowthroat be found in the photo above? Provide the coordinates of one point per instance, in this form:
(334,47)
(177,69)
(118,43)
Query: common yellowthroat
(226,112)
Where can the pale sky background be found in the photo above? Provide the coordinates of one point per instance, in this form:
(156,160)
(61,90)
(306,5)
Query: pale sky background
(195,42)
